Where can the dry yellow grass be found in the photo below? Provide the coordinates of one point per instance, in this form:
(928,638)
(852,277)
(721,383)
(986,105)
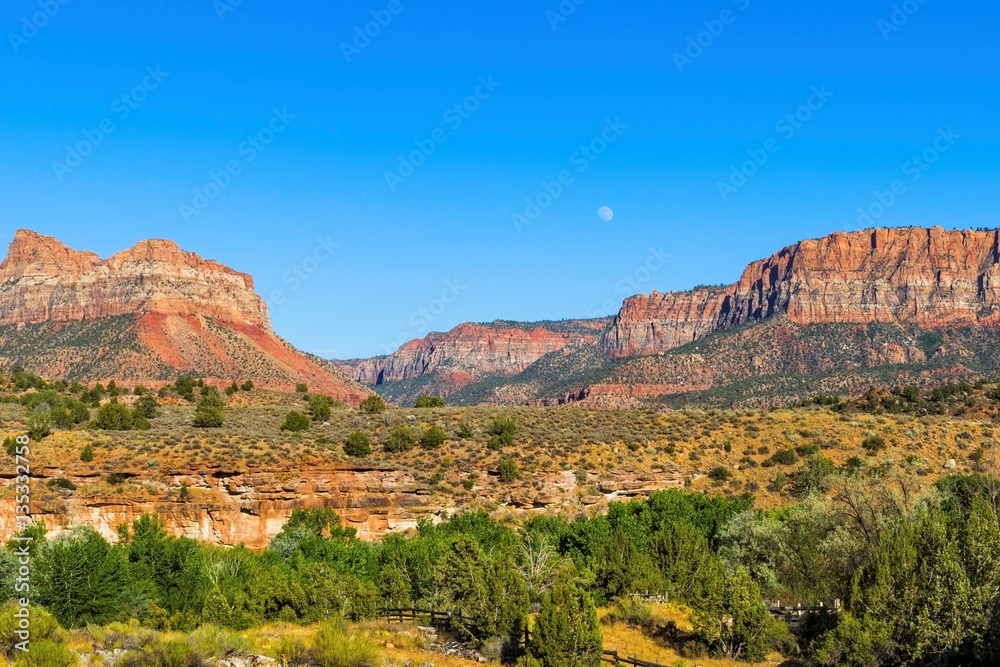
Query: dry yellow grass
(637,643)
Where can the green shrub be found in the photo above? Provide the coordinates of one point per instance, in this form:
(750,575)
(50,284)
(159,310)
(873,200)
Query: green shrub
(333,647)
(720,474)
(87,454)
(320,407)
(46,653)
(508,470)
(209,413)
(632,611)
(61,483)
(373,405)
(61,417)
(295,422)
(39,425)
(79,411)
(247,386)
(146,406)
(430,402)
(785,457)
(302,388)
(400,440)
(874,444)
(503,429)
(465,430)
(433,437)
(358,444)
(43,627)
(184,386)
(114,417)
(567,632)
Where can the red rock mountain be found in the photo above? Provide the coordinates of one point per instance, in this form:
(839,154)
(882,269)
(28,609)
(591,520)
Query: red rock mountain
(916,277)
(146,314)
(470,352)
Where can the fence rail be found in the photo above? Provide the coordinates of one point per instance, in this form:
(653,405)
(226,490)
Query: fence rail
(614,658)
(438,619)
(793,616)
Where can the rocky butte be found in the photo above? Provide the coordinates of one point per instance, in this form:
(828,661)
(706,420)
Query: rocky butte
(149,313)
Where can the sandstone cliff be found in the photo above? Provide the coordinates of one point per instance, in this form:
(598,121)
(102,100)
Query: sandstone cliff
(911,276)
(144,315)
(470,352)
(42,280)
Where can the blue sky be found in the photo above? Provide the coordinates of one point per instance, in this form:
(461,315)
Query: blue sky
(353,262)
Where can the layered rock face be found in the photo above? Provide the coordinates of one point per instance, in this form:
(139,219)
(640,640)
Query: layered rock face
(912,276)
(42,280)
(144,316)
(243,507)
(472,351)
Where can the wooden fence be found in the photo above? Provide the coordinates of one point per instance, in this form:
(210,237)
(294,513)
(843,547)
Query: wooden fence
(437,619)
(793,616)
(613,658)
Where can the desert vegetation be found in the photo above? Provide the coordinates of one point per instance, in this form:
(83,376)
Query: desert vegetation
(834,500)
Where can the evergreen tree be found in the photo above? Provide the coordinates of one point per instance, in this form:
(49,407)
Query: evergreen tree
(82,579)
(114,416)
(738,626)
(209,412)
(567,632)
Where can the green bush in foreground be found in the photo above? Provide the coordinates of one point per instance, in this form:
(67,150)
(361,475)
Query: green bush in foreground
(333,647)
(567,632)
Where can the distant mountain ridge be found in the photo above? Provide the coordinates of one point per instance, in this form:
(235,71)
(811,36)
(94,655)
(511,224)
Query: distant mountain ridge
(443,363)
(144,315)
(910,276)
(835,313)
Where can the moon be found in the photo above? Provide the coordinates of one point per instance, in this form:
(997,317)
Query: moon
(605,213)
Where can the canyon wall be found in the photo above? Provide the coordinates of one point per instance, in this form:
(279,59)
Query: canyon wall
(912,276)
(472,351)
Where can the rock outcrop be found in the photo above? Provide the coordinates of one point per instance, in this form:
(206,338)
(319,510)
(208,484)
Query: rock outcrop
(144,315)
(42,280)
(472,351)
(910,276)
(231,507)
